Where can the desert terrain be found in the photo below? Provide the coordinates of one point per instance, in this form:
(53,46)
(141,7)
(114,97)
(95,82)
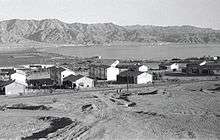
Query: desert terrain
(109,70)
(177,111)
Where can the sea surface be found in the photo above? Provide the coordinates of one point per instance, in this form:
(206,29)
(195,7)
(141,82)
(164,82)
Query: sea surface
(150,52)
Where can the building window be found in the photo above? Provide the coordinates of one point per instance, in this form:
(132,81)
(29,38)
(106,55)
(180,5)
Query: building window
(81,84)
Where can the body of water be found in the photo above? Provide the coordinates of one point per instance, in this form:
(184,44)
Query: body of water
(156,52)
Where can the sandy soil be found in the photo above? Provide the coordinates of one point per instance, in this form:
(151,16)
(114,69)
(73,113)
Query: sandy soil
(181,111)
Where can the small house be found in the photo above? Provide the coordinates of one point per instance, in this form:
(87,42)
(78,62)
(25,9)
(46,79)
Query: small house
(208,68)
(40,78)
(104,70)
(11,88)
(177,67)
(78,81)
(174,67)
(65,73)
(134,77)
(49,76)
(215,58)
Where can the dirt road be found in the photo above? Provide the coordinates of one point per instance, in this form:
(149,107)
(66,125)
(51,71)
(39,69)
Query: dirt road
(179,111)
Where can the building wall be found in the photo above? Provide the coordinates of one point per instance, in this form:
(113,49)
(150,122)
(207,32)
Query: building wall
(97,72)
(14,89)
(66,73)
(174,67)
(112,73)
(200,70)
(125,80)
(144,78)
(91,72)
(143,68)
(19,77)
(217,72)
(55,75)
(40,82)
(85,82)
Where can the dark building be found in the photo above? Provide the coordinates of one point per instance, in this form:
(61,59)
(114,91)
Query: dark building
(78,81)
(98,71)
(209,68)
(134,77)
(45,77)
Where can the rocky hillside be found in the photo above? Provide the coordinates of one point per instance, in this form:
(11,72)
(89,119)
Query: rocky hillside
(55,31)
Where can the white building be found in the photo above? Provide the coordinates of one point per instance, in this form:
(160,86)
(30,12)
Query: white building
(65,73)
(174,67)
(143,68)
(112,73)
(216,58)
(12,88)
(20,77)
(144,78)
(134,77)
(78,81)
(104,71)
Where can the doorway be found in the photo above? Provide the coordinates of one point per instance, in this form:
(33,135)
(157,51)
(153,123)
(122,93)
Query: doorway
(2,91)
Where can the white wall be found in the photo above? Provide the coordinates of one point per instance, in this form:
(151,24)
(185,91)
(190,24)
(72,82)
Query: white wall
(115,63)
(19,77)
(66,73)
(87,82)
(112,73)
(14,89)
(143,68)
(144,78)
(174,66)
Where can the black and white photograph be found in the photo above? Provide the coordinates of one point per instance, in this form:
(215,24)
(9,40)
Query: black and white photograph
(109,69)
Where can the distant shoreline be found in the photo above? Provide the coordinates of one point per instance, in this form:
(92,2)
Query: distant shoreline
(58,48)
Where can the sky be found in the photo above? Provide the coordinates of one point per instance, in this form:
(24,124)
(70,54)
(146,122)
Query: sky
(201,13)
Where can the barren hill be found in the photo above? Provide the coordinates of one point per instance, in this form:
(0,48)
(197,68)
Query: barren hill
(55,31)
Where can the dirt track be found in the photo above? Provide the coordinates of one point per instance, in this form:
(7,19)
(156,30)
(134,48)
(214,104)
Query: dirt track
(181,111)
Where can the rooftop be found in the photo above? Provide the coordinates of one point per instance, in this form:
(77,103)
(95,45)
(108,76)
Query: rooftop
(128,65)
(39,75)
(57,68)
(130,73)
(73,78)
(5,83)
(105,63)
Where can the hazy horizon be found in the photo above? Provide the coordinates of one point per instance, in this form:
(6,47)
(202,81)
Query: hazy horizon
(199,13)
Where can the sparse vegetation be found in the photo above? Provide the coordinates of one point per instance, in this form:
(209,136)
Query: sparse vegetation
(56,31)
(156,114)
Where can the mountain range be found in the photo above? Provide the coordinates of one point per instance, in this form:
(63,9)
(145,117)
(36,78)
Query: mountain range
(56,31)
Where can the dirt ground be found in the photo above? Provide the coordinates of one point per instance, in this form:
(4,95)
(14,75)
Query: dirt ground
(178,111)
